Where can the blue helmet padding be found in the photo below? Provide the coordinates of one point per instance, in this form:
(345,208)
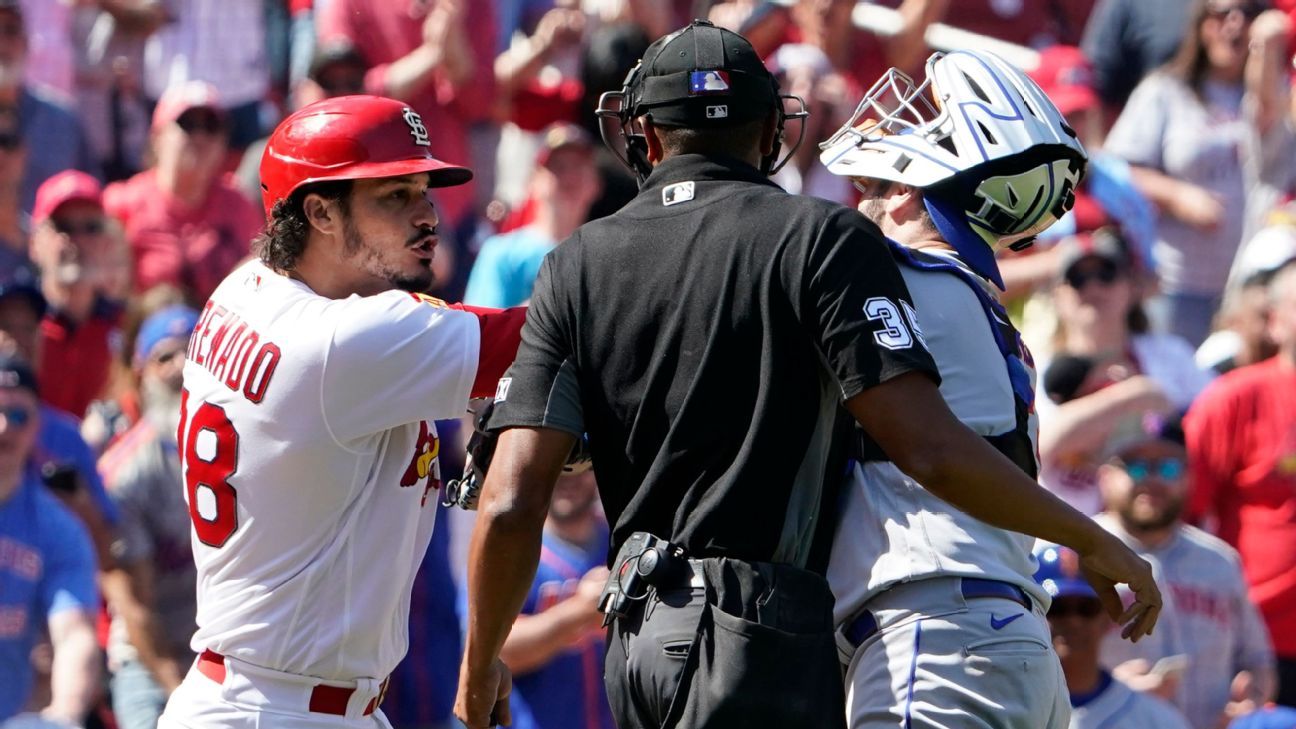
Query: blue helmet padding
(955,229)
(1059,573)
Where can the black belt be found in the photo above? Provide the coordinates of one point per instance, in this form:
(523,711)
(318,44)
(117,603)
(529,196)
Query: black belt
(864,626)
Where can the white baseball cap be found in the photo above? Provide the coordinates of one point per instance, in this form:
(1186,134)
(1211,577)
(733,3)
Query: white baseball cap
(1268,250)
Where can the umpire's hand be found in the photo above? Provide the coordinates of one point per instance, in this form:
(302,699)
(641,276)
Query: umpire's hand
(1108,562)
(483,699)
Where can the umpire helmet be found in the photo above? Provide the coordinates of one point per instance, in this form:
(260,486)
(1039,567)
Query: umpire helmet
(698,77)
(350,138)
(996,160)
(1059,572)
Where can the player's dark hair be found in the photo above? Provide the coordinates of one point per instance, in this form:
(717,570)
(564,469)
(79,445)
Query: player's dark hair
(737,140)
(284,238)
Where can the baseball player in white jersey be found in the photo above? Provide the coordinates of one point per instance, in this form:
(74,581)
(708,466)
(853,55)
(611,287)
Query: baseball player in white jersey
(941,622)
(1077,624)
(1211,651)
(308,450)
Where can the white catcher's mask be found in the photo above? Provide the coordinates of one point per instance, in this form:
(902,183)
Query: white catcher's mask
(997,161)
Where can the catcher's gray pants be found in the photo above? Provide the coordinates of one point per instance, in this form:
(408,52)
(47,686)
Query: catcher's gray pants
(942,661)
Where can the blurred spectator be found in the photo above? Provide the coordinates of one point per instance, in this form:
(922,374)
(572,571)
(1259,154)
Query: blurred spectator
(220,42)
(109,38)
(1107,194)
(13,219)
(335,70)
(437,55)
(70,245)
(1126,39)
(1104,366)
(1208,620)
(861,55)
(62,459)
(47,570)
(1272,717)
(1189,132)
(1241,437)
(1030,23)
(186,222)
(1241,336)
(804,70)
(563,185)
(112,416)
(151,593)
(555,650)
(517,15)
(47,124)
(538,82)
(1078,623)
(49,43)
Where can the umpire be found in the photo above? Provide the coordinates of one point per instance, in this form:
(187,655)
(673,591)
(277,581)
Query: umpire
(703,337)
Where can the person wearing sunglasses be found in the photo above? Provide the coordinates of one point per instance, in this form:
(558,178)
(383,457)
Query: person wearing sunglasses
(47,575)
(1078,625)
(1210,142)
(187,224)
(1209,620)
(1129,370)
(70,244)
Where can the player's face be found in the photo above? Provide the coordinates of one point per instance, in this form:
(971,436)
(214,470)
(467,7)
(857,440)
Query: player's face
(391,234)
(1146,485)
(1078,625)
(18,426)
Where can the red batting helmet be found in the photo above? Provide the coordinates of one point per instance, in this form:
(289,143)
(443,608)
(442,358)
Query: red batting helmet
(350,138)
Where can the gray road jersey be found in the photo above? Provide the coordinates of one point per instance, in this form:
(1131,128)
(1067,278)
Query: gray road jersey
(1207,617)
(892,529)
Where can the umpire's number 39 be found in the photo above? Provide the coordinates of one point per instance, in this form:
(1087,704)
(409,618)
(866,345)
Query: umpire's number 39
(899,323)
(208,457)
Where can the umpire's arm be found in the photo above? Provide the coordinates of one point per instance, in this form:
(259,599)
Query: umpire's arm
(502,560)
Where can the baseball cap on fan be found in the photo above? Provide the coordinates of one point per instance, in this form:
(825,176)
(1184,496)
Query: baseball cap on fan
(176,100)
(63,188)
(702,76)
(1066,76)
(561,135)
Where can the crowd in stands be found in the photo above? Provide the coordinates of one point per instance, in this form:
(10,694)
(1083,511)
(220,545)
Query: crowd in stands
(1161,312)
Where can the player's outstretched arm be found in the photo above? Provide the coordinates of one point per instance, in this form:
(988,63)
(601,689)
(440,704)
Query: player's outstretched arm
(909,419)
(502,559)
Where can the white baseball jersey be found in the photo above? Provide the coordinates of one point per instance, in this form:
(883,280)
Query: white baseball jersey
(893,530)
(1117,707)
(1207,616)
(310,465)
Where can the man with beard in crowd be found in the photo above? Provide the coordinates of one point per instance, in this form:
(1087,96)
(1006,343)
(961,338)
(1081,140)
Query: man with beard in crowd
(151,592)
(1208,620)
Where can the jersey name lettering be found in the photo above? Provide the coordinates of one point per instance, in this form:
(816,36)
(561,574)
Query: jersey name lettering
(233,352)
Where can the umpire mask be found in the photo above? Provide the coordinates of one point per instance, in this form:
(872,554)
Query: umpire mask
(699,77)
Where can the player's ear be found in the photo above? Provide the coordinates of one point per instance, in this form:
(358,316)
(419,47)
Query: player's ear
(904,202)
(322,214)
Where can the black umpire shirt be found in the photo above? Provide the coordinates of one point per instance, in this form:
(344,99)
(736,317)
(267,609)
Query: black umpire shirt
(703,337)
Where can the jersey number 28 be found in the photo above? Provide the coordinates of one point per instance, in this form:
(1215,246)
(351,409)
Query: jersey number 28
(208,457)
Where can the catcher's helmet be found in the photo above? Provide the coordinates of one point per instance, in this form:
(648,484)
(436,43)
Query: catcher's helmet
(350,138)
(1059,572)
(996,159)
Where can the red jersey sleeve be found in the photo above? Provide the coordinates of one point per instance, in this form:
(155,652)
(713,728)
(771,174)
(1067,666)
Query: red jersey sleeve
(1209,429)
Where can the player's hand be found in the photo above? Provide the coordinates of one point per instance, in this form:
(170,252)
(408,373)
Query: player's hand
(1111,562)
(483,699)
(1139,676)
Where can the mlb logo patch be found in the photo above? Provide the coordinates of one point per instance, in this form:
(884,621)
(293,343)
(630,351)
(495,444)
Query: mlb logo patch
(702,83)
(718,112)
(677,193)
